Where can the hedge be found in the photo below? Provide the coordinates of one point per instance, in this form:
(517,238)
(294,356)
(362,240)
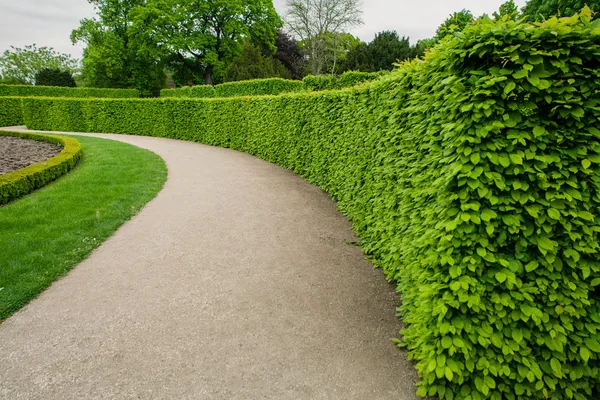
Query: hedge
(55,91)
(24,181)
(10,111)
(271,86)
(471,178)
(347,79)
(200,91)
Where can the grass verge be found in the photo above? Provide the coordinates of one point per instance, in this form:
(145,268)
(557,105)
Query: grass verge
(46,233)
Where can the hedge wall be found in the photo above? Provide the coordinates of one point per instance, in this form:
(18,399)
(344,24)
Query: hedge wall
(55,91)
(347,79)
(472,179)
(271,86)
(24,181)
(10,111)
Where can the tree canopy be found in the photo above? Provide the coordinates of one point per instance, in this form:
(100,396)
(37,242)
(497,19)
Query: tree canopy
(202,36)
(20,65)
(538,10)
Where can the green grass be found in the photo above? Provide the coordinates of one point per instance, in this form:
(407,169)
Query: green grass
(46,233)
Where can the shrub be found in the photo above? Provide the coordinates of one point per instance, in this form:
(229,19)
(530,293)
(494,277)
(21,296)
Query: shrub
(23,181)
(10,111)
(472,179)
(54,77)
(54,91)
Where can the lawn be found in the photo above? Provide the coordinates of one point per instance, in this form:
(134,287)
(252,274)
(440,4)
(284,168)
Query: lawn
(45,234)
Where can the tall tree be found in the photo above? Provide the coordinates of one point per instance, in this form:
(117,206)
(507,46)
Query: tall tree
(54,77)
(22,64)
(114,56)
(311,20)
(203,36)
(539,10)
(382,53)
(252,63)
(508,9)
(454,23)
(289,54)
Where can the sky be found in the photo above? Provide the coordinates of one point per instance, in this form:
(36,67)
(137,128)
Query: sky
(50,22)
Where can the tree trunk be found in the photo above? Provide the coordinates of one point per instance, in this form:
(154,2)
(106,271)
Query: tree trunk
(208,75)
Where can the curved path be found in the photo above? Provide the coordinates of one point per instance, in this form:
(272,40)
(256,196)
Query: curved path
(236,282)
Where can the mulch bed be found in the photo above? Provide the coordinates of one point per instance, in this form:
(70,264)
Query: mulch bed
(17,153)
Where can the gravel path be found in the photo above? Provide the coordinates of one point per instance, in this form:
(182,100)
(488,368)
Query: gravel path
(17,153)
(236,282)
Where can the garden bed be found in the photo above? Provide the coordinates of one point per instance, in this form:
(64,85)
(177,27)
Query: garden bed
(17,153)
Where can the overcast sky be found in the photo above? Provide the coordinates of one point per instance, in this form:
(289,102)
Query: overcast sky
(49,22)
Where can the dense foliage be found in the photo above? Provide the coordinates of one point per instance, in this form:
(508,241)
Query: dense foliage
(53,91)
(539,10)
(204,35)
(54,77)
(253,63)
(116,56)
(23,181)
(10,111)
(472,179)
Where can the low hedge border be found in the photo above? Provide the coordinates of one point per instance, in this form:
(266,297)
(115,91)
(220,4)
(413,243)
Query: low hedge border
(18,183)
(55,91)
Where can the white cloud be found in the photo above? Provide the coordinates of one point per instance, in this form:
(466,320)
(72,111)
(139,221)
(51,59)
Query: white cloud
(50,22)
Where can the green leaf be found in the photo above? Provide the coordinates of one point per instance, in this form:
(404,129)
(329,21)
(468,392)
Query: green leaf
(510,86)
(556,367)
(554,213)
(446,342)
(448,373)
(521,74)
(500,276)
(532,266)
(586,163)
(584,353)
(516,159)
(595,282)
(539,131)
(592,344)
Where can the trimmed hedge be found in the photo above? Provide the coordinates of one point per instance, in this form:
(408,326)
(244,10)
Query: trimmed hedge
(24,181)
(347,79)
(200,91)
(256,87)
(472,178)
(10,111)
(55,91)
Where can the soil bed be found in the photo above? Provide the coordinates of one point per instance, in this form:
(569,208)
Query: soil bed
(17,153)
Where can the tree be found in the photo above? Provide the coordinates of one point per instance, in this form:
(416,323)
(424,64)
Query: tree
(386,49)
(539,10)
(289,54)
(114,57)
(311,20)
(203,36)
(54,77)
(454,23)
(253,64)
(22,64)
(508,9)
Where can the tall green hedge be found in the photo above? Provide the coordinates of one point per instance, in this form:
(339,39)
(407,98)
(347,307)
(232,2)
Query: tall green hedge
(55,91)
(10,111)
(472,179)
(270,86)
(200,91)
(347,79)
